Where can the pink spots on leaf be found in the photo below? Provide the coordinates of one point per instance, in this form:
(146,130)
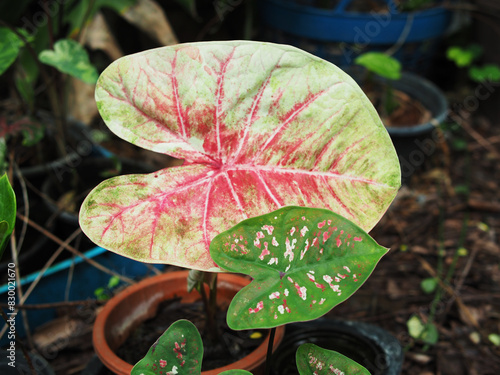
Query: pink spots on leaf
(260,306)
(265,251)
(163,363)
(301,290)
(274,295)
(347,269)
(335,287)
(283,308)
(303,231)
(289,249)
(358,239)
(272,261)
(339,241)
(303,252)
(179,348)
(322,224)
(275,242)
(292,231)
(268,228)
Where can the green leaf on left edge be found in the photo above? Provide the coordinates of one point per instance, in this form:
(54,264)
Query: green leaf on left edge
(178,351)
(9,49)
(311,359)
(304,262)
(7,211)
(71,58)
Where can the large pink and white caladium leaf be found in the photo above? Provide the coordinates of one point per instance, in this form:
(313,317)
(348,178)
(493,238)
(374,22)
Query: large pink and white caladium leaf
(303,261)
(259,125)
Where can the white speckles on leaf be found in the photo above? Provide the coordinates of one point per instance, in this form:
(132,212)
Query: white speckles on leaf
(289,249)
(272,261)
(268,228)
(274,295)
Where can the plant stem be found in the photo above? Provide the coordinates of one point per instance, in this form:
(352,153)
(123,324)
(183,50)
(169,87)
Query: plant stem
(270,350)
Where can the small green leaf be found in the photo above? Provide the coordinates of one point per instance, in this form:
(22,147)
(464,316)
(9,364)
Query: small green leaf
(178,351)
(381,64)
(7,211)
(427,332)
(311,359)
(483,226)
(304,262)
(462,252)
(9,48)
(235,372)
(464,56)
(486,73)
(113,281)
(494,338)
(71,58)
(429,285)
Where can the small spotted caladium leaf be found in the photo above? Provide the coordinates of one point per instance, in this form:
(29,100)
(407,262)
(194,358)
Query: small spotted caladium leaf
(178,351)
(304,262)
(259,126)
(313,360)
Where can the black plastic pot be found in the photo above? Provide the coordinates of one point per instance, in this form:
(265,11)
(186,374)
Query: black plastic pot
(371,346)
(415,143)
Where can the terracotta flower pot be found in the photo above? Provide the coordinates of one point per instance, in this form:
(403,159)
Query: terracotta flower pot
(139,302)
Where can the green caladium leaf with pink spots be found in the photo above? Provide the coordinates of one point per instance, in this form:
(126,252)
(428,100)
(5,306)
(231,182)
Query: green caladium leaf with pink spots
(313,360)
(303,261)
(178,351)
(259,126)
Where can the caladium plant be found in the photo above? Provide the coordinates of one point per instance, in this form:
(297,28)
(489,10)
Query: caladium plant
(180,351)
(260,126)
(303,261)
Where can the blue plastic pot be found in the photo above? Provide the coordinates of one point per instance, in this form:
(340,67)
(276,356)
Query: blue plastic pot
(85,280)
(339,35)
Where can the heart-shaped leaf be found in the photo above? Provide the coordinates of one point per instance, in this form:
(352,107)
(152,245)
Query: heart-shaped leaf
(178,351)
(71,58)
(260,126)
(313,360)
(304,262)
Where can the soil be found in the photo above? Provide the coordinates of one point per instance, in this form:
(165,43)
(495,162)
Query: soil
(409,111)
(221,351)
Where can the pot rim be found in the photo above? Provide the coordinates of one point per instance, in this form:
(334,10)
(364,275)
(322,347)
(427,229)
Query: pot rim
(109,358)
